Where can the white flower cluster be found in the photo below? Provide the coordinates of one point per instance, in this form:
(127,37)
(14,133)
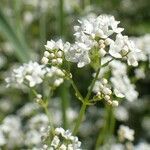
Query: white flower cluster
(121,82)
(143,44)
(28,109)
(30,74)
(54,53)
(33,73)
(63,140)
(55,75)
(33,135)
(99,36)
(125,133)
(10,132)
(121,113)
(94,38)
(103,89)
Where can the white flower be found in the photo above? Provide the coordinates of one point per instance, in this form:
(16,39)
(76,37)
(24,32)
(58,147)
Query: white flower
(38,121)
(121,113)
(139,73)
(125,132)
(11,131)
(32,137)
(78,53)
(101,26)
(54,52)
(123,87)
(55,142)
(117,147)
(142,43)
(67,140)
(63,147)
(120,81)
(142,146)
(55,76)
(103,89)
(92,37)
(123,47)
(31,73)
(59,131)
(2,138)
(28,109)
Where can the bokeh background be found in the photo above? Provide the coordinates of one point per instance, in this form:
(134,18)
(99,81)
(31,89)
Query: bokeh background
(26,25)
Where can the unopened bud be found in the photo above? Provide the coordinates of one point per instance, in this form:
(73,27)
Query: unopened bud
(115,103)
(44,60)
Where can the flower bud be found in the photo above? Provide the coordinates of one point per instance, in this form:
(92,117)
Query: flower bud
(44,60)
(115,103)
(46,54)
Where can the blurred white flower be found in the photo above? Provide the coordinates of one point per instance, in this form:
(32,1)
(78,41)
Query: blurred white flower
(2,138)
(32,137)
(117,147)
(28,109)
(120,81)
(142,146)
(6,105)
(121,113)
(139,73)
(142,43)
(11,130)
(125,132)
(31,74)
(38,121)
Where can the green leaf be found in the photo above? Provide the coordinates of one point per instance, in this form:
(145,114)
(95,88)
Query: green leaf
(8,32)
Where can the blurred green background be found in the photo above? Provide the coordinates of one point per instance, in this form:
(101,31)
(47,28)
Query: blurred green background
(26,25)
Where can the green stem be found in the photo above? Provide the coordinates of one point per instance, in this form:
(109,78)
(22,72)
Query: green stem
(92,84)
(49,115)
(112,122)
(78,94)
(64,103)
(103,132)
(80,117)
(61,17)
(42,27)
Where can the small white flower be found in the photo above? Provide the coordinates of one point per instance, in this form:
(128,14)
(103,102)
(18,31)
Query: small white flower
(63,147)
(31,74)
(55,142)
(54,52)
(123,47)
(125,132)
(78,53)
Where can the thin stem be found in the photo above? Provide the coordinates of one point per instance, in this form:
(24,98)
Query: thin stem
(61,17)
(64,103)
(42,27)
(102,132)
(112,122)
(80,117)
(92,84)
(49,115)
(78,94)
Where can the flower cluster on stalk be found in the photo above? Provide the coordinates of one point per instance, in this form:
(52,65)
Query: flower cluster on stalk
(61,139)
(32,74)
